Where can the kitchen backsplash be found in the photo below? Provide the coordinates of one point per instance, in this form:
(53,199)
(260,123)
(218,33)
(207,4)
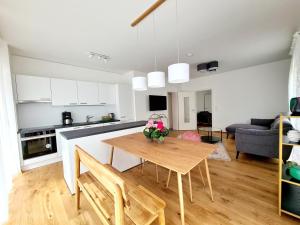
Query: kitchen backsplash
(44,114)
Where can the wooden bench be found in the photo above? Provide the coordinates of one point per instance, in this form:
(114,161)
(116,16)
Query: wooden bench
(106,191)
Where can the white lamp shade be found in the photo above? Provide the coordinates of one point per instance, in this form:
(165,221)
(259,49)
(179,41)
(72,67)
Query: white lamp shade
(139,83)
(156,79)
(179,73)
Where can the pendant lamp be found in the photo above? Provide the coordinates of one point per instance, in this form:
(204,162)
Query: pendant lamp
(178,72)
(139,83)
(156,79)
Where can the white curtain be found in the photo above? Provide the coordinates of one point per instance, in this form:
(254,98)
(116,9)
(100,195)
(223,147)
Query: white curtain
(294,87)
(9,151)
(294,78)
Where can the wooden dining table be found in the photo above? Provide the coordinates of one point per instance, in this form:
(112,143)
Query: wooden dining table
(177,155)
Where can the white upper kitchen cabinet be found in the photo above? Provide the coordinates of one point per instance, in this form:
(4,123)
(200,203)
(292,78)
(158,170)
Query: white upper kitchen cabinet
(32,88)
(107,94)
(124,102)
(87,93)
(64,92)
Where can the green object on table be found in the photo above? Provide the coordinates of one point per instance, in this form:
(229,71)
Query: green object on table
(295,172)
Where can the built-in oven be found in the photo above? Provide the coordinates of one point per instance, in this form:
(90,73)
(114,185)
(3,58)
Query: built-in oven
(38,143)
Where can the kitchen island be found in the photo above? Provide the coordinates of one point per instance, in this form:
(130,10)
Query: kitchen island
(90,139)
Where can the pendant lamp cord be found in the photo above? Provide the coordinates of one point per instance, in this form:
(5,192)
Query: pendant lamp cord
(155,47)
(177,31)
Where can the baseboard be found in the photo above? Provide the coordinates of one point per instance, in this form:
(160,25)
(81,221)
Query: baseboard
(41,163)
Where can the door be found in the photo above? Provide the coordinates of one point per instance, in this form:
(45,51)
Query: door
(87,93)
(107,94)
(187,115)
(64,92)
(30,88)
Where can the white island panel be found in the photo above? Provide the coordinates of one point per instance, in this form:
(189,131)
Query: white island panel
(99,150)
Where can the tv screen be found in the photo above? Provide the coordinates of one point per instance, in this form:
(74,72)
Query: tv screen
(157,102)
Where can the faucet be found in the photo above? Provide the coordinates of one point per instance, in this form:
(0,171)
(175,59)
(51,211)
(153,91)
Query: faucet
(88,117)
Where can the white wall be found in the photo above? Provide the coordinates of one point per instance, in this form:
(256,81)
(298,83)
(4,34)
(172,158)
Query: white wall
(44,114)
(41,114)
(259,91)
(50,69)
(141,100)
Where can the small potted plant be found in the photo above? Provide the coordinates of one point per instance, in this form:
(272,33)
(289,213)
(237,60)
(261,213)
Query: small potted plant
(294,170)
(155,129)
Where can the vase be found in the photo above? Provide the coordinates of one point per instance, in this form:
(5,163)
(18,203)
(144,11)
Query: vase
(160,141)
(295,172)
(149,139)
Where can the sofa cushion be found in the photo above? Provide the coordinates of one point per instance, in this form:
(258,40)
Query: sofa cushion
(285,123)
(262,122)
(232,128)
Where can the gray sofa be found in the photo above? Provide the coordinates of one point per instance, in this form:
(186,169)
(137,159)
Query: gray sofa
(261,137)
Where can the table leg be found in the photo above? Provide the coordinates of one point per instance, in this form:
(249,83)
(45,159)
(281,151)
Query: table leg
(190,184)
(181,203)
(200,171)
(208,179)
(168,180)
(156,170)
(221,136)
(142,165)
(111,155)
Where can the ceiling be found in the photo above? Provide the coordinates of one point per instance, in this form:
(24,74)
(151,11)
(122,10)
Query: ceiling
(238,33)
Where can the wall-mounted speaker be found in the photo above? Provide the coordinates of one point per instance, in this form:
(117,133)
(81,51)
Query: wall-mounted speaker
(208,66)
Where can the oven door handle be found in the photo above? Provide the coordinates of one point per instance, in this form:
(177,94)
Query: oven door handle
(38,137)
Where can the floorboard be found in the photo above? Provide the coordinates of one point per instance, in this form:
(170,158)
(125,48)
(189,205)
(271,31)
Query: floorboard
(245,192)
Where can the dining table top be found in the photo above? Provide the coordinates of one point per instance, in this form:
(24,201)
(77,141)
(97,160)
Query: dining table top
(175,154)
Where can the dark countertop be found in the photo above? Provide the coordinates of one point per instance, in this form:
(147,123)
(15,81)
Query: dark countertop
(53,127)
(100,130)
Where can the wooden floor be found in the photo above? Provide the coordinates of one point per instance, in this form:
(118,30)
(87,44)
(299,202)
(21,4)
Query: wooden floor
(245,192)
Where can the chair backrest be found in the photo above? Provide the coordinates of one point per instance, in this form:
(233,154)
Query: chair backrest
(107,178)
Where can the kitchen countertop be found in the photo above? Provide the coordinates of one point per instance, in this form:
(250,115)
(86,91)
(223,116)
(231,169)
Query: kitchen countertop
(100,130)
(53,127)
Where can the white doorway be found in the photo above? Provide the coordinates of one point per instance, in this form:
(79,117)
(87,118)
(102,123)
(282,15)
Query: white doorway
(184,111)
(204,108)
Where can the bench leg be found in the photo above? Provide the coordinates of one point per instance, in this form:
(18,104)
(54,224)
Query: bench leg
(237,154)
(161,217)
(77,193)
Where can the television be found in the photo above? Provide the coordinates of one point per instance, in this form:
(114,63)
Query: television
(157,102)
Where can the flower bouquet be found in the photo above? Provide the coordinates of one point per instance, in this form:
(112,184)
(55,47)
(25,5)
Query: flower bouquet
(155,130)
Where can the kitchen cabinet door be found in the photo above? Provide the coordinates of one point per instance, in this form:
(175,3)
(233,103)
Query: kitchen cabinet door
(64,92)
(32,88)
(125,102)
(87,93)
(107,94)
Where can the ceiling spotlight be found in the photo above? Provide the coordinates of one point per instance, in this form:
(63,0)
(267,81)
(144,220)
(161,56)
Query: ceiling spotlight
(189,54)
(104,58)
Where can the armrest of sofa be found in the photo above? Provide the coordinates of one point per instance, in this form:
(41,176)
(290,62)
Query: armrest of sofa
(262,122)
(258,142)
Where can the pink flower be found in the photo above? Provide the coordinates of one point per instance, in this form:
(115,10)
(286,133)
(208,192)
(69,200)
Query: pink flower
(160,125)
(150,123)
